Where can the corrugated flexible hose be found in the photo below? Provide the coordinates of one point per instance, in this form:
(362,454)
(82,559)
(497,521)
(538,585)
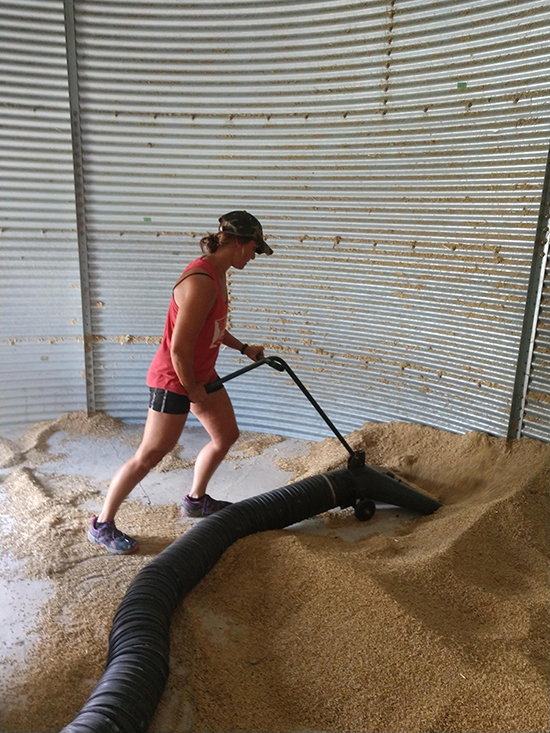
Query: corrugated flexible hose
(132,684)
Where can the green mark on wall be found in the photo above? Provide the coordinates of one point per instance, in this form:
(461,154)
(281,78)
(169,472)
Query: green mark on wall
(147,219)
(461,84)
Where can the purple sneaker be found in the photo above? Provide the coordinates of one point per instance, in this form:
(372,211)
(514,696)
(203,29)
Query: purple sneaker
(203,507)
(111,538)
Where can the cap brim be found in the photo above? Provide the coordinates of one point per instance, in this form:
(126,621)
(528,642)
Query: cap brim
(263,248)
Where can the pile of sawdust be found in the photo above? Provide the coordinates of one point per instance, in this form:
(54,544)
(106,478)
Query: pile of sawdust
(49,532)
(440,626)
(9,453)
(66,664)
(252,444)
(171,462)
(31,448)
(48,525)
(248,445)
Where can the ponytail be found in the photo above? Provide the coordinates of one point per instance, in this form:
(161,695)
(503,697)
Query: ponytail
(212,242)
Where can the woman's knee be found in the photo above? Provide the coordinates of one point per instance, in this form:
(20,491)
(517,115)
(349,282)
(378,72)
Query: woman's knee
(149,458)
(224,442)
(234,437)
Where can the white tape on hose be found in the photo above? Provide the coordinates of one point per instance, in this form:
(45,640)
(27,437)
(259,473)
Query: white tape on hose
(329,482)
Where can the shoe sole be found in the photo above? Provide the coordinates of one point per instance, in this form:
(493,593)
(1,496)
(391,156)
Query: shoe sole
(184,515)
(112,551)
(185,512)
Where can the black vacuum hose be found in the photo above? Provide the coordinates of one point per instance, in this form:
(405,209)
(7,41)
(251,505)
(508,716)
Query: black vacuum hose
(132,684)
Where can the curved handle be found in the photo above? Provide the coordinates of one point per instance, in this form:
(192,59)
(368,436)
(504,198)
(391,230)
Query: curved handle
(218,383)
(213,386)
(356,458)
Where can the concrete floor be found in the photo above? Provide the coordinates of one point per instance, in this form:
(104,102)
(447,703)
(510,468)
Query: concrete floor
(97,459)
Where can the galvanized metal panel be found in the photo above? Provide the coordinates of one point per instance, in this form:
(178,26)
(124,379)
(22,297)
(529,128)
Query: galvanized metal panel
(395,154)
(536,420)
(40,380)
(533,304)
(41,345)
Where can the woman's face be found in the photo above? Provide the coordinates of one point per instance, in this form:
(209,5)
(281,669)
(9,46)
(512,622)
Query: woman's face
(244,253)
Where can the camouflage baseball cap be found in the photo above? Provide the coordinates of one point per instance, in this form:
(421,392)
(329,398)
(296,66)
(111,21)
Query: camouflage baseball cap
(243,224)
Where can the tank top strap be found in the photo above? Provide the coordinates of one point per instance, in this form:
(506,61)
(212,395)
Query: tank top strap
(204,264)
(196,264)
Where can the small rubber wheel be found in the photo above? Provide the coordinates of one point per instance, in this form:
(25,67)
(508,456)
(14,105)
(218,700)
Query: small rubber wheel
(364,510)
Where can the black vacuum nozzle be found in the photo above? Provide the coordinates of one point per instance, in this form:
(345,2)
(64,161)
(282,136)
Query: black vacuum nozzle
(377,484)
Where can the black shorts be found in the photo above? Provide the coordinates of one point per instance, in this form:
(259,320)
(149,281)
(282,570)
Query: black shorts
(172,403)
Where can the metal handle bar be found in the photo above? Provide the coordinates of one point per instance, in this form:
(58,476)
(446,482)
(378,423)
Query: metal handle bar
(218,383)
(281,366)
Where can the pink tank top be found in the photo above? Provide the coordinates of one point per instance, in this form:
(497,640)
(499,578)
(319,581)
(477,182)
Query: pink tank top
(161,373)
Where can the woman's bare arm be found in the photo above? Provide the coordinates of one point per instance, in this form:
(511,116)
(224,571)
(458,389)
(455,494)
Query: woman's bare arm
(252,350)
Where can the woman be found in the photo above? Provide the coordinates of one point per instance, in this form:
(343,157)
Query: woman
(183,364)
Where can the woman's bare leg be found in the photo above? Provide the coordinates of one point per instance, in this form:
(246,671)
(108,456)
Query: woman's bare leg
(217,416)
(161,433)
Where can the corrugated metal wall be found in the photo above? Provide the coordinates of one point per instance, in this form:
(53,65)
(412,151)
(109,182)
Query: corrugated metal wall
(393,150)
(41,346)
(536,423)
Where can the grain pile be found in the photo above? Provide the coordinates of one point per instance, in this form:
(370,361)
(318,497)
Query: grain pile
(440,625)
(48,531)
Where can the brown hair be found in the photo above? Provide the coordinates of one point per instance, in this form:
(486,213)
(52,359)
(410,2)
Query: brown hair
(212,242)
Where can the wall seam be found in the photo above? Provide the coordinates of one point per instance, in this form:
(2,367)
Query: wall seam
(532,312)
(80,203)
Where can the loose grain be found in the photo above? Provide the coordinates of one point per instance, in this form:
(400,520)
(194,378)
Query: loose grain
(440,625)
